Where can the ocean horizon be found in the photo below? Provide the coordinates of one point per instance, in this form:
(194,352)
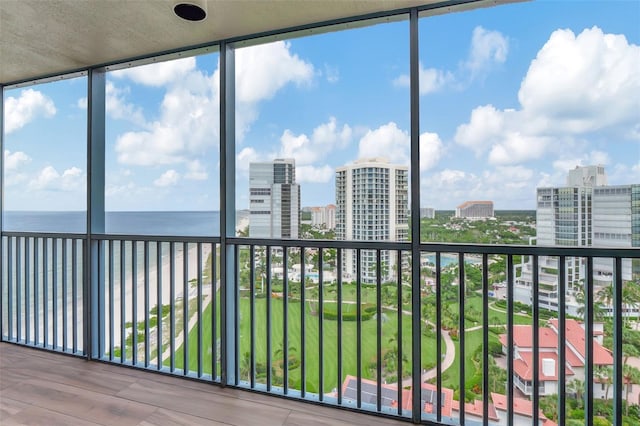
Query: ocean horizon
(180,223)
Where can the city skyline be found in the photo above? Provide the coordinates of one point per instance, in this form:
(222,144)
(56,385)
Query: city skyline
(492,125)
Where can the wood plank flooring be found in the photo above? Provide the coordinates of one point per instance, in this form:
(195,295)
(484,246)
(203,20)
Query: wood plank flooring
(43,388)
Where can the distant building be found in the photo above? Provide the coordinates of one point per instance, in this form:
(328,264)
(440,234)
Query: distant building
(324,216)
(274,199)
(372,199)
(475,210)
(427,213)
(584,213)
(616,223)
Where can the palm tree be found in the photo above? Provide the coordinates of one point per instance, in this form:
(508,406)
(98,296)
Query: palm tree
(631,375)
(576,386)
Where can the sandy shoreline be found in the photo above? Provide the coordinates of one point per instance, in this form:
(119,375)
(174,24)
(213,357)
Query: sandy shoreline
(178,279)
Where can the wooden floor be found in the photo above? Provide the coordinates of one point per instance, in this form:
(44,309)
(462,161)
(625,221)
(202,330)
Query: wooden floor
(42,388)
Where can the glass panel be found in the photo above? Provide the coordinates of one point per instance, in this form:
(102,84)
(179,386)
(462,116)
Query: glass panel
(162,144)
(45,157)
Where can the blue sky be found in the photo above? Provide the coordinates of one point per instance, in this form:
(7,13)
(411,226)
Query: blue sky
(511,98)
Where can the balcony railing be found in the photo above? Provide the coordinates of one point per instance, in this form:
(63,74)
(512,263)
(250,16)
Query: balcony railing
(296,318)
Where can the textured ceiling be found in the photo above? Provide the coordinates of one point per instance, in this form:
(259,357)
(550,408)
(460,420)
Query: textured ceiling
(45,37)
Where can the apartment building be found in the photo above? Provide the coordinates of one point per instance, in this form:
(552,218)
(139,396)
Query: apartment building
(274,203)
(372,201)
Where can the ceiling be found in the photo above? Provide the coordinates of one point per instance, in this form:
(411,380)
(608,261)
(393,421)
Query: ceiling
(41,38)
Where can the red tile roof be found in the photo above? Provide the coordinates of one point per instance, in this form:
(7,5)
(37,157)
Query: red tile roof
(548,338)
(575,335)
(521,406)
(523,367)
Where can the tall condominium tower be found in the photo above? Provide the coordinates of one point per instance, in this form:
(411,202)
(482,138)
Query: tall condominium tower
(372,201)
(274,199)
(584,213)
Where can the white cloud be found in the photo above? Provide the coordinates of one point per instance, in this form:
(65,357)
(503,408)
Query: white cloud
(51,180)
(431,80)
(332,74)
(26,108)
(387,141)
(196,171)
(13,161)
(431,150)
(487,48)
(262,70)
(312,174)
(583,83)
(158,74)
(168,178)
(394,144)
(188,122)
(246,156)
(118,108)
(325,138)
(576,85)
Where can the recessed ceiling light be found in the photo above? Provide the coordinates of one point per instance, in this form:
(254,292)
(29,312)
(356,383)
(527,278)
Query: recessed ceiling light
(194,10)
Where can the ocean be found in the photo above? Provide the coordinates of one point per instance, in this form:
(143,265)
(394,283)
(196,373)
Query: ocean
(194,223)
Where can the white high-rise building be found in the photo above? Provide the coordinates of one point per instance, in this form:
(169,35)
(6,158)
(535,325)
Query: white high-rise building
(616,223)
(274,199)
(563,218)
(372,201)
(585,213)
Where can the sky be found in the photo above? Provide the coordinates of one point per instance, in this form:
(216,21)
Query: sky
(511,98)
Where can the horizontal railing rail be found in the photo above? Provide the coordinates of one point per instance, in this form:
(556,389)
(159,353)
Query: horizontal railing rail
(332,321)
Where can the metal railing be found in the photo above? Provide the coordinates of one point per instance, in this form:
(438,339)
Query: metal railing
(295,318)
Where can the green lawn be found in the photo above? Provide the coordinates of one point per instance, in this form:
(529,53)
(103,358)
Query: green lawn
(313,355)
(328,354)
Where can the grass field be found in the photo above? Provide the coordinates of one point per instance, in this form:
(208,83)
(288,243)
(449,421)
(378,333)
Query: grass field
(327,356)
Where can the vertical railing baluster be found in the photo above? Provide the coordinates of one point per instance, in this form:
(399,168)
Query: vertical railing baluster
(536,343)
(339,319)
(19,284)
(285,318)
(589,360)
(101,316)
(214,310)
(378,330)
(74,295)
(461,333)
(55,272)
(111,301)
(134,302)
(172,306)
(510,353)
(199,295)
(65,278)
(303,358)
(562,346)
(252,316)
(185,308)
(27,293)
(485,339)
(358,328)
(36,291)
(10,287)
(399,330)
(159,310)
(268,322)
(438,333)
(146,304)
(320,327)
(45,288)
(123,302)
(618,377)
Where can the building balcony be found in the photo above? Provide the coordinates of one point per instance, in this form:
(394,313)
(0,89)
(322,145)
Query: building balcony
(169,306)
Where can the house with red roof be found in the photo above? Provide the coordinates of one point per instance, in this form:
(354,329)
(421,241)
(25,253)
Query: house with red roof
(389,398)
(548,358)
